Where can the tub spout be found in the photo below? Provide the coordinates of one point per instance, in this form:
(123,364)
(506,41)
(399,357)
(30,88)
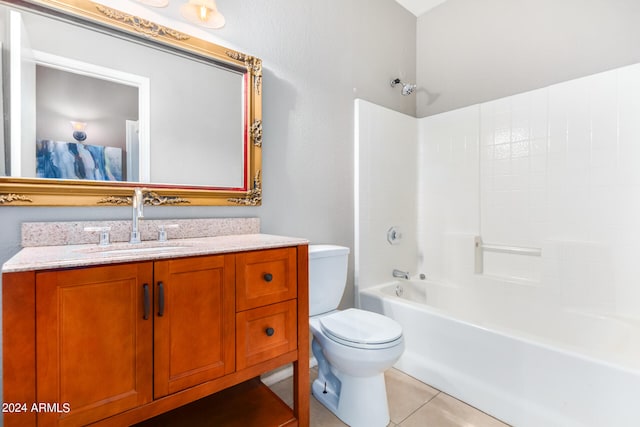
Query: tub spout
(401,274)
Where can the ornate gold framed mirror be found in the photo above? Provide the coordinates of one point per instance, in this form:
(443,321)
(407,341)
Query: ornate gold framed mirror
(191,134)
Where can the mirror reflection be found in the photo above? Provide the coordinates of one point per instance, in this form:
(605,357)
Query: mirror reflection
(86,128)
(86,105)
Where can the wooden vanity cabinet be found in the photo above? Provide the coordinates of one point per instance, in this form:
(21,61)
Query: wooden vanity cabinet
(102,333)
(122,343)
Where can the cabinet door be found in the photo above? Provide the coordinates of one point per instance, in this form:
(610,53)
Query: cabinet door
(93,343)
(194,335)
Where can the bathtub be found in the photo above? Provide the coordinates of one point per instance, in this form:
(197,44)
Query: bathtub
(523,361)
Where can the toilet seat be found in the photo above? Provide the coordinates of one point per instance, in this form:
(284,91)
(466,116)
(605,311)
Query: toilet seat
(361,329)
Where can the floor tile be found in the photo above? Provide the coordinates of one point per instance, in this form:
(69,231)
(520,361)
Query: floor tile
(446,411)
(411,404)
(405,394)
(321,416)
(284,390)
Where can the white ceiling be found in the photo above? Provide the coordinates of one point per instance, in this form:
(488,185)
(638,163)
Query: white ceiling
(418,7)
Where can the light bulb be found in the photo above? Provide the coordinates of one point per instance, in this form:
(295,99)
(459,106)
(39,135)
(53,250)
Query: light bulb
(204,12)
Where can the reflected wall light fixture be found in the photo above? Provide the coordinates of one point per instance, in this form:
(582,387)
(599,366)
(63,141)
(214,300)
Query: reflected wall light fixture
(79,129)
(203,12)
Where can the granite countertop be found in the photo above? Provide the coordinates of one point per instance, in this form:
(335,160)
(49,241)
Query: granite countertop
(65,256)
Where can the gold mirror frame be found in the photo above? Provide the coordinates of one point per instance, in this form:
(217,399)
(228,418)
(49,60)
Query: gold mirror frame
(51,192)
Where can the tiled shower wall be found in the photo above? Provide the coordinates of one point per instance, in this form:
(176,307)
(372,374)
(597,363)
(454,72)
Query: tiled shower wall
(448,217)
(557,169)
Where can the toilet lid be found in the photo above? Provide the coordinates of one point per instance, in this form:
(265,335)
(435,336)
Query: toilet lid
(361,327)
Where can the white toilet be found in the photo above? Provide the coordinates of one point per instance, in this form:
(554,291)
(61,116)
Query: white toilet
(353,347)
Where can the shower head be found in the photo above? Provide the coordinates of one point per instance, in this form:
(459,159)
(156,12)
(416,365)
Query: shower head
(407,88)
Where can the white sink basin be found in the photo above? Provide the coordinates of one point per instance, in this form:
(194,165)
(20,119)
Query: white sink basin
(123,248)
(132,251)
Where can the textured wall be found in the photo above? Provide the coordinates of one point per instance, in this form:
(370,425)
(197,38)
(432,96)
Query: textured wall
(473,51)
(317,57)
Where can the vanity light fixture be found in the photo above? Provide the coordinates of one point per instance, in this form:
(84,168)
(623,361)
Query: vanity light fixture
(79,128)
(203,12)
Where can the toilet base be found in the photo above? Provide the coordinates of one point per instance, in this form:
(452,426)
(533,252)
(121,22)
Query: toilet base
(360,402)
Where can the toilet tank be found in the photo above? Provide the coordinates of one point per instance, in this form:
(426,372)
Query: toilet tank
(327,277)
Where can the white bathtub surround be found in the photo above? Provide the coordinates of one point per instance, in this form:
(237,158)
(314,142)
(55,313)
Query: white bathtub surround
(386,182)
(555,170)
(549,373)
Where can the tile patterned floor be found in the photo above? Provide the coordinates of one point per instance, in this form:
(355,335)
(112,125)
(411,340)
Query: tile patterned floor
(411,404)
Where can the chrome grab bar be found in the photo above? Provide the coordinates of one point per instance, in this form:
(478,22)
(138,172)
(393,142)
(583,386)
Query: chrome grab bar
(481,247)
(517,250)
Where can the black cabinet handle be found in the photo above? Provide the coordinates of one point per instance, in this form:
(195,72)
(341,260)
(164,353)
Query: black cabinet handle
(160,299)
(147,301)
(270,331)
(267,277)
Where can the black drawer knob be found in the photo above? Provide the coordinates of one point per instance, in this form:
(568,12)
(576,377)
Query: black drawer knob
(267,277)
(270,331)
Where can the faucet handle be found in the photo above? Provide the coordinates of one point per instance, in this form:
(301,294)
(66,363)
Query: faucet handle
(162,233)
(104,234)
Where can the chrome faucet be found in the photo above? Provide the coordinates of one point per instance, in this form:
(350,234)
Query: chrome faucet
(400,274)
(137,203)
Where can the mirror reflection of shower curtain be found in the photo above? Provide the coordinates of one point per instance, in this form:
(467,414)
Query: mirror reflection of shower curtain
(132,153)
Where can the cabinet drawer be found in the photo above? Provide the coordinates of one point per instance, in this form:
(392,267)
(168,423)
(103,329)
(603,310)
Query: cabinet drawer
(265,277)
(266,332)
